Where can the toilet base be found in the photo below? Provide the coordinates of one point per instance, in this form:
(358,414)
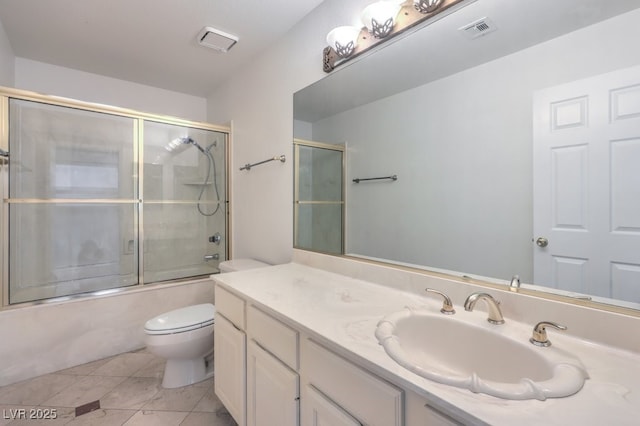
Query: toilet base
(184,372)
(188,355)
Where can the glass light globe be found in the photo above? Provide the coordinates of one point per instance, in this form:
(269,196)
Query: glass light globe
(426,6)
(379,17)
(343,40)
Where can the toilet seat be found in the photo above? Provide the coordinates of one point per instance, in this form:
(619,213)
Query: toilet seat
(182,320)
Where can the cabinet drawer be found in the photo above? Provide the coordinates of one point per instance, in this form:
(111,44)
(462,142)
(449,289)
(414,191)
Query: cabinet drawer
(231,306)
(370,399)
(419,412)
(274,336)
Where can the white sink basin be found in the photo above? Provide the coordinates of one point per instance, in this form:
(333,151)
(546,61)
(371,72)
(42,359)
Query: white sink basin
(497,360)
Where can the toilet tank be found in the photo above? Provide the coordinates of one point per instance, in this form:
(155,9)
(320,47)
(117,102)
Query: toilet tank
(240,265)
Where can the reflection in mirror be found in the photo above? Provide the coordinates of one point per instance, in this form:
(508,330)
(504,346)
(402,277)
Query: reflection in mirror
(526,135)
(319,196)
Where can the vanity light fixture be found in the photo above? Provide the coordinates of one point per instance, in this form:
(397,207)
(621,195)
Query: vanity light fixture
(382,20)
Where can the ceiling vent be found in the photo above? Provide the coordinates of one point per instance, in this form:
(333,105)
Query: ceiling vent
(478,28)
(216,39)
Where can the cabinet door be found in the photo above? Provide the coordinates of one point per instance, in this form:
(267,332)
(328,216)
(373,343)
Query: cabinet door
(318,410)
(367,397)
(229,364)
(272,390)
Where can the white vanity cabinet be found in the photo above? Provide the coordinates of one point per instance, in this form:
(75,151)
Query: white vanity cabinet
(273,394)
(269,373)
(419,412)
(229,360)
(272,390)
(256,361)
(349,389)
(229,367)
(319,410)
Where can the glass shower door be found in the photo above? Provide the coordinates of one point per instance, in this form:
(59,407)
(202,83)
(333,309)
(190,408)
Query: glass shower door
(319,197)
(184,201)
(72,201)
(96,199)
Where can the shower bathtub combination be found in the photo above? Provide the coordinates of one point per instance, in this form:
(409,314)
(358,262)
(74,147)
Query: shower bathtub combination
(102,201)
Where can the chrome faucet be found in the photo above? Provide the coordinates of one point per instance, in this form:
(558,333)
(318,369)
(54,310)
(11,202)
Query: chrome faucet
(495,314)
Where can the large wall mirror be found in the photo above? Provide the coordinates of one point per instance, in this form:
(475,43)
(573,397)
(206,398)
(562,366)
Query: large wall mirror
(516,152)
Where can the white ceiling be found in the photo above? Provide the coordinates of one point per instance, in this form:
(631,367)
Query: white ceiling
(152,42)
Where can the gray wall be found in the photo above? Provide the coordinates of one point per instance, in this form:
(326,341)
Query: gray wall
(462,148)
(7,60)
(259,99)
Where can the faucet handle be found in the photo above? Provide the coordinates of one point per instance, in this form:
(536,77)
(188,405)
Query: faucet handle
(447,306)
(514,285)
(539,337)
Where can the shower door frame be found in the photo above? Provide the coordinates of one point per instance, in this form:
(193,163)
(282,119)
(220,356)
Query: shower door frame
(297,143)
(138,140)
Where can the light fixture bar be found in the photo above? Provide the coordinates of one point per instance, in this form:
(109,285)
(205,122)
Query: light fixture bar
(410,15)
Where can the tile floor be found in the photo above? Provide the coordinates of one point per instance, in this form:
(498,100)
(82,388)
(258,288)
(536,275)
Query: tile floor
(129,389)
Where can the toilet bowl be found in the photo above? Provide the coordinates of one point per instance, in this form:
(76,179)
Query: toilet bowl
(184,337)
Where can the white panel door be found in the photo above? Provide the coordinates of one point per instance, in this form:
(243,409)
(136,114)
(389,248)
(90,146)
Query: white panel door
(587,185)
(229,365)
(272,390)
(318,410)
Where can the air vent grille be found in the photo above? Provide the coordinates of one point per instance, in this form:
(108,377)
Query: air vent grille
(216,39)
(478,28)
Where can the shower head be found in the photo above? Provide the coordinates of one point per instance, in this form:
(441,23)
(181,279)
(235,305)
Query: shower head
(187,140)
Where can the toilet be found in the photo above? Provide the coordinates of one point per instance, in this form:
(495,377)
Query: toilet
(184,337)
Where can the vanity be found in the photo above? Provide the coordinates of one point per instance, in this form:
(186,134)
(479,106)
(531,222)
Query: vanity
(502,166)
(296,345)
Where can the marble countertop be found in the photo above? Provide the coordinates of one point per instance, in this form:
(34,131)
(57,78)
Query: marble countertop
(343,312)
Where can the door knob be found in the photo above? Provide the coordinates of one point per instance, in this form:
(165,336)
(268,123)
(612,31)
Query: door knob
(542,242)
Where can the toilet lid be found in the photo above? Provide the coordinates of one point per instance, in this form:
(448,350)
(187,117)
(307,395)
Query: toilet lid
(183,319)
